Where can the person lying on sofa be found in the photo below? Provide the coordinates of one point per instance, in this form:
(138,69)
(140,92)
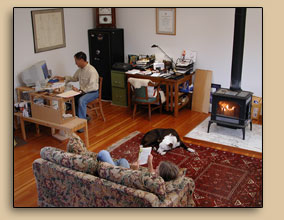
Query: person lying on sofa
(167,170)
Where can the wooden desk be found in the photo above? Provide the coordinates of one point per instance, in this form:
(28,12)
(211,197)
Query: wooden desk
(170,84)
(69,126)
(47,116)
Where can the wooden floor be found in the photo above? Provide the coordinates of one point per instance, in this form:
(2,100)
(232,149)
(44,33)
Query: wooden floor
(101,135)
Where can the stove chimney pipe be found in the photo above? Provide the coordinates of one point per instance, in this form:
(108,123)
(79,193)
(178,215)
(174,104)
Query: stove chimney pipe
(238,49)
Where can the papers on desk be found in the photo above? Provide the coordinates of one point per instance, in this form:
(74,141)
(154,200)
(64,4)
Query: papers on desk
(57,85)
(134,71)
(156,74)
(68,94)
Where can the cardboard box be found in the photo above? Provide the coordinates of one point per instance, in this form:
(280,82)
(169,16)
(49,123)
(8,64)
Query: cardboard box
(256,107)
(201,91)
(48,108)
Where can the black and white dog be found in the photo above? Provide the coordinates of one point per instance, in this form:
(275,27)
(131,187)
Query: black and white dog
(167,139)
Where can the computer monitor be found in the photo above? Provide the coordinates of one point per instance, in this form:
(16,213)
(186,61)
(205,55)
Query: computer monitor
(35,73)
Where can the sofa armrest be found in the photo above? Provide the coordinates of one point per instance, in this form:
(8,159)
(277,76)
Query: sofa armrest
(179,193)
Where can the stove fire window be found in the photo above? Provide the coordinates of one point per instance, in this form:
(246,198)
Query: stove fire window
(228,108)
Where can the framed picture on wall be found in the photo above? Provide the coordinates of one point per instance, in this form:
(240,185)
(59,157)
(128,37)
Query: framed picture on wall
(48,29)
(166,21)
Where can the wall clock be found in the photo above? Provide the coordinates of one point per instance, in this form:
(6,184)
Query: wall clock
(105,17)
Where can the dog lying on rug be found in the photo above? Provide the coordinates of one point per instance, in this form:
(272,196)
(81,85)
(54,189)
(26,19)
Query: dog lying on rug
(167,139)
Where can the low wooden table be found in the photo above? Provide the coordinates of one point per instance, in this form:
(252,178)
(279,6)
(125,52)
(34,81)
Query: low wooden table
(69,126)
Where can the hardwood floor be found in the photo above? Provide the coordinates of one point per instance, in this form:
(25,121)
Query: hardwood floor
(119,124)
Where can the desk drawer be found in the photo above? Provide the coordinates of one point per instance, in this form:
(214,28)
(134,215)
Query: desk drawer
(118,79)
(119,96)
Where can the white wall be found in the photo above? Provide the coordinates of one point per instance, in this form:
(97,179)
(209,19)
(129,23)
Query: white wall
(60,61)
(209,31)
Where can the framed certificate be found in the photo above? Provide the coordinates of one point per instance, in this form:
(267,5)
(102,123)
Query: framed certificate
(48,29)
(166,21)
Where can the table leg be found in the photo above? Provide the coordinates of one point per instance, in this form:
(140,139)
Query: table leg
(37,129)
(73,107)
(86,135)
(53,131)
(23,128)
(15,122)
(176,100)
(171,97)
(167,97)
(128,94)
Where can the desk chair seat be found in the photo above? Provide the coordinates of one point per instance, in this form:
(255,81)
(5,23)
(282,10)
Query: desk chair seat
(93,104)
(141,97)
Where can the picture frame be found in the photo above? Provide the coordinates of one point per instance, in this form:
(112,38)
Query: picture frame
(48,29)
(166,21)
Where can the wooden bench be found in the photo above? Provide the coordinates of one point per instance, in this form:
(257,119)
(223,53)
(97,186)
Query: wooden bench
(69,126)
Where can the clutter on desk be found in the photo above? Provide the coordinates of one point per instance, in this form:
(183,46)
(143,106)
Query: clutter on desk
(53,80)
(133,71)
(23,107)
(68,94)
(132,59)
(144,62)
(158,65)
(184,66)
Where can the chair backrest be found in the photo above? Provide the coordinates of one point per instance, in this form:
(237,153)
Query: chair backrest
(142,93)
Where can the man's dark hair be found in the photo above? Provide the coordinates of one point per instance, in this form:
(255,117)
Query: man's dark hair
(81,55)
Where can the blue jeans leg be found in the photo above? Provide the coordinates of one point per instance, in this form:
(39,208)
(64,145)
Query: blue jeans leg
(104,156)
(122,163)
(83,101)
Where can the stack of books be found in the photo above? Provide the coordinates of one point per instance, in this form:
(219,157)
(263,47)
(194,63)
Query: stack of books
(184,66)
(144,63)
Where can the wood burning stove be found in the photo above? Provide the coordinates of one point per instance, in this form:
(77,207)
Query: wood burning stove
(231,109)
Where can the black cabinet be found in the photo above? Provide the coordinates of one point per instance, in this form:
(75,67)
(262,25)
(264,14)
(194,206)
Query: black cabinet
(106,47)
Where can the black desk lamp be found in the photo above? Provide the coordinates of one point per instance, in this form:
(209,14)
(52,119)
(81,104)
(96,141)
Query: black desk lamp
(154,45)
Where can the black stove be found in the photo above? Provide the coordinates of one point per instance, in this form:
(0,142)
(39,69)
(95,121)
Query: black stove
(231,109)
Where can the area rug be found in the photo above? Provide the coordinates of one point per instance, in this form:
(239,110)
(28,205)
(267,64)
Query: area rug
(229,136)
(222,179)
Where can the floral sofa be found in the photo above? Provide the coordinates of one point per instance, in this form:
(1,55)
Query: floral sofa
(76,179)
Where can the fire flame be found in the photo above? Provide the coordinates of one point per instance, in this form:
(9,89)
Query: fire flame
(225,107)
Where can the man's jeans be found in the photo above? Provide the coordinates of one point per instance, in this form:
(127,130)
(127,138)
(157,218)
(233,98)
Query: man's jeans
(104,156)
(81,102)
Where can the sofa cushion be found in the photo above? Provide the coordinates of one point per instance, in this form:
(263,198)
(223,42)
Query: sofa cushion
(76,145)
(133,178)
(73,161)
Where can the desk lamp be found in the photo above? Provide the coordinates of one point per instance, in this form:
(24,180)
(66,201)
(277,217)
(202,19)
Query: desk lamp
(173,63)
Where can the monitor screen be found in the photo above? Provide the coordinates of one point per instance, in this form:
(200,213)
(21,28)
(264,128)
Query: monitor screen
(44,70)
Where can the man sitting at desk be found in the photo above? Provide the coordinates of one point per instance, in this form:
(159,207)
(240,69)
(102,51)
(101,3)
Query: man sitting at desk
(88,78)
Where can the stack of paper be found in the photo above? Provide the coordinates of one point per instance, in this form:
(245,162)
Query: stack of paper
(68,94)
(134,71)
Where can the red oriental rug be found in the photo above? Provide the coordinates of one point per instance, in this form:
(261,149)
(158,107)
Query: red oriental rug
(222,179)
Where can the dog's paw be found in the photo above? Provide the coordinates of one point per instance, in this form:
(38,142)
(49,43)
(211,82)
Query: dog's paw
(163,153)
(154,148)
(191,150)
